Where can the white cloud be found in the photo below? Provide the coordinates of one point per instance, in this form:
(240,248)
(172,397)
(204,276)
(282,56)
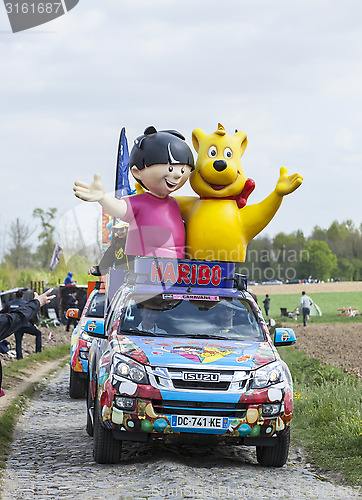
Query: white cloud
(288,73)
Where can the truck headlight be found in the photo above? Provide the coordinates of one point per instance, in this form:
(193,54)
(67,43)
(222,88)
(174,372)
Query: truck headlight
(123,403)
(268,375)
(270,409)
(130,369)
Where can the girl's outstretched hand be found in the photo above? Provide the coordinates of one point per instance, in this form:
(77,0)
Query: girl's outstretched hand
(89,192)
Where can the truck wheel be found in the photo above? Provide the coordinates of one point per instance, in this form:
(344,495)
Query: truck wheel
(90,408)
(275,456)
(106,449)
(77,385)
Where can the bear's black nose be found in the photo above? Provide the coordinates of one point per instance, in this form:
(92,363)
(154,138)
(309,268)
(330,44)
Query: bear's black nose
(220,165)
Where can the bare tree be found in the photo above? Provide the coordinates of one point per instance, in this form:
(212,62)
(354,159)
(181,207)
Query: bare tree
(46,237)
(19,250)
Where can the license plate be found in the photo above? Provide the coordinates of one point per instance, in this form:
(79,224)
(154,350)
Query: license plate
(197,422)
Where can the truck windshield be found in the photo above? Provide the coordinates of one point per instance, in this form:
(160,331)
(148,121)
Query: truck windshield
(219,318)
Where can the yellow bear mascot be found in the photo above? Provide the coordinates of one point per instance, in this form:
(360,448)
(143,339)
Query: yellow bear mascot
(219,225)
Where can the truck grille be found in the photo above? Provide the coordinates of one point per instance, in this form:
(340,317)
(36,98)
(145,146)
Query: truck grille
(191,379)
(164,407)
(187,384)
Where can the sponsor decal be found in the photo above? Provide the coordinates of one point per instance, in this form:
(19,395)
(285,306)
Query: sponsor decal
(180,296)
(201,376)
(92,326)
(182,273)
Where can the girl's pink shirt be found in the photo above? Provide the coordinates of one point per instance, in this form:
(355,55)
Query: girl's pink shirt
(155,226)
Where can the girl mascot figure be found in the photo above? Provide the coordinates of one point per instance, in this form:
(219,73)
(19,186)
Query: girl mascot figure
(161,162)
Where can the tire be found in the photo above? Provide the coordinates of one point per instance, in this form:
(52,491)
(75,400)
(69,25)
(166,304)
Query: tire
(106,449)
(77,385)
(90,408)
(275,456)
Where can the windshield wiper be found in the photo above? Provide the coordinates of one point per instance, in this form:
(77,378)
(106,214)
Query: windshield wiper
(142,332)
(206,336)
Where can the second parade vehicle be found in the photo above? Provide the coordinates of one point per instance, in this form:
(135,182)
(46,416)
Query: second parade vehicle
(185,351)
(81,341)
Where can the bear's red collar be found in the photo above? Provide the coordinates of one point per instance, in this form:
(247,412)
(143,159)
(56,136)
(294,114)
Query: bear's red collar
(241,199)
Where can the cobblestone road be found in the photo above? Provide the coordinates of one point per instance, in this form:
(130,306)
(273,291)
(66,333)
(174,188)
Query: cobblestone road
(52,458)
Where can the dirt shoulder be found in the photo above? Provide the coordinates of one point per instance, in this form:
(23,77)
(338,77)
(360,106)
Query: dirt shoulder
(15,385)
(333,344)
(50,337)
(34,375)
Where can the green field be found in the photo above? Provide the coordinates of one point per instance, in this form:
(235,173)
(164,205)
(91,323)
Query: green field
(329,303)
(327,417)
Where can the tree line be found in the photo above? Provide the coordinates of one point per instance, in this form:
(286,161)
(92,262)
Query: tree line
(21,263)
(333,253)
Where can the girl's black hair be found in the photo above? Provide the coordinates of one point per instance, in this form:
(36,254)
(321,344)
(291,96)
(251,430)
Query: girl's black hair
(165,146)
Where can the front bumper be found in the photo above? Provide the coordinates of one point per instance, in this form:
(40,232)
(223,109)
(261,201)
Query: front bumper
(243,421)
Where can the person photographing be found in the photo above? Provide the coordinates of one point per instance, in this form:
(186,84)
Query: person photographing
(10,322)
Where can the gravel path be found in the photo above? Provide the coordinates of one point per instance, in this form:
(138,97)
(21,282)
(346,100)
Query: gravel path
(52,458)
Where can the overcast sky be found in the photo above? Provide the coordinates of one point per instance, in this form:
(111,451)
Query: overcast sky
(287,72)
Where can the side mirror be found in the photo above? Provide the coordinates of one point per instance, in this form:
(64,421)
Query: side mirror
(72,313)
(284,336)
(95,328)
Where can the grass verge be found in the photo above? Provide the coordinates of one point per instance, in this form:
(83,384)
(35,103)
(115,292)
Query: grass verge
(327,417)
(20,366)
(10,416)
(8,421)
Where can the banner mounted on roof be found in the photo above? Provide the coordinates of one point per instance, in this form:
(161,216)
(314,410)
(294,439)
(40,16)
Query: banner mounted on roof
(122,187)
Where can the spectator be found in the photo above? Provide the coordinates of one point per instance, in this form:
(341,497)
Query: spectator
(10,322)
(27,327)
(68,280)
(305,303)
(72,303)
(266,303)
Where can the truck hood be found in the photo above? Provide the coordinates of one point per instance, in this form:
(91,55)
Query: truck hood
(176,351)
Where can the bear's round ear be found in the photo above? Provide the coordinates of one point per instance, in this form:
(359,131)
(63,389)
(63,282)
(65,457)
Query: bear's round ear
(241,135)
(197,135)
